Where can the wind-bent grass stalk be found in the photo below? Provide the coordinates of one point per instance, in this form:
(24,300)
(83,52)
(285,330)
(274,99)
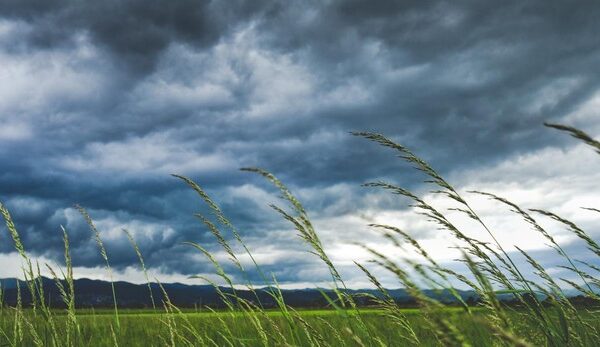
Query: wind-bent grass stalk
(189,327)
(64,294)
(18,325)
(218,268)
(226,328)
(242,305)
(580,233)
(564,309)
(37,341)
(578,134)
(170,321)
(277,295)
(444,330)
(216,211)
(100,244)
(307,232)
(591,209)
(28,270)
(72,328)
(142,264)
(114,336)
(541,230)
(433,265)
(301,222)
(392,309)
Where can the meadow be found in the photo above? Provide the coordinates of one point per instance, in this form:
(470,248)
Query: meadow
(541,314)
(328,328)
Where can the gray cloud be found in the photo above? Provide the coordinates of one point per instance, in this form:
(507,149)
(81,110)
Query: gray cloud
(135,31)
(101,101)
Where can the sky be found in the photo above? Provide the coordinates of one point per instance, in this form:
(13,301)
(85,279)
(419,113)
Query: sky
(101,101)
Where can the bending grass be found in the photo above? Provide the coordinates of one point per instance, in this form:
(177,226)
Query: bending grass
(544,315)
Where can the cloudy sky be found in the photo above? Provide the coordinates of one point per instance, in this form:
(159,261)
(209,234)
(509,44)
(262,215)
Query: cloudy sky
(101,101)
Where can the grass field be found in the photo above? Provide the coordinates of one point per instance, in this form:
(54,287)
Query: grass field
(552,321)
(331,328)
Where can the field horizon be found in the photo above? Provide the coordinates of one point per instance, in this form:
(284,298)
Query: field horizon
(97,294)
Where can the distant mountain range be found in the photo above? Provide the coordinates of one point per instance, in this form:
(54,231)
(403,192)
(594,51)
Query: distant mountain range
(98,293)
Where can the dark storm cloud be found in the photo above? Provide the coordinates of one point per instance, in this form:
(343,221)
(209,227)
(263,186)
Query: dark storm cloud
(482,66)
(135,31)
(109,97)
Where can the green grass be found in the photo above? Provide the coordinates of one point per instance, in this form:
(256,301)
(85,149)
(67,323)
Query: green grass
(492,270)
(144,328)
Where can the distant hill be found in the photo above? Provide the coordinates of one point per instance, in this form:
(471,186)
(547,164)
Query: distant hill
(98,293)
